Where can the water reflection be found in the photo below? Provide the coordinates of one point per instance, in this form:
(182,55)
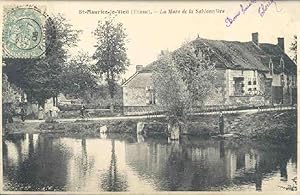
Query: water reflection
(34,166)
(211,165)
(113,180)
(129,163)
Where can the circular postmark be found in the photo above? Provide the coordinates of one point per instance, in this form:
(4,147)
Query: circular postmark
(26,34)
(23,34)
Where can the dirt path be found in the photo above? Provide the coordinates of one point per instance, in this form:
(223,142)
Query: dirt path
(162,116)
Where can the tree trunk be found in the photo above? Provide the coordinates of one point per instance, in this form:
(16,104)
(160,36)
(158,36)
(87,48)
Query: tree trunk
(174,128)
(110,83)
(56,100)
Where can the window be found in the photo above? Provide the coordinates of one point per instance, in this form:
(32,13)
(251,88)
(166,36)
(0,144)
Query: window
(153,98)
(249,82)
(150,95)
(282,80)
(288,82)
(254,82)
(238,86)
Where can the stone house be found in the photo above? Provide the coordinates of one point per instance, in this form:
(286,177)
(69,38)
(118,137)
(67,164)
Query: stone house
(249,73)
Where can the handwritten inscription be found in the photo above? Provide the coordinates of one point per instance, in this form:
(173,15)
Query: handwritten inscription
(243,9)
(262,9)
(265,6)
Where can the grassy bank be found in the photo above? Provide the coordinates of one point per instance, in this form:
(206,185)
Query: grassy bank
(275,125)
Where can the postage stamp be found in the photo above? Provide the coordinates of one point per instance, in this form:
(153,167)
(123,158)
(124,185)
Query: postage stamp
(23,34)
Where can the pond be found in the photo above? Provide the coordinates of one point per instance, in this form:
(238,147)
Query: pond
(49,162)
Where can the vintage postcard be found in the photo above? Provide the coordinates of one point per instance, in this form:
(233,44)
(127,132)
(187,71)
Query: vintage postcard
(149,96)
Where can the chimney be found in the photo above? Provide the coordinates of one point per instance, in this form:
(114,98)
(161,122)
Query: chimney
(281,43)
(139,68)
(255,38)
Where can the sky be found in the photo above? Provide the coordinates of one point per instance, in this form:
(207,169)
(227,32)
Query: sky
(148,34)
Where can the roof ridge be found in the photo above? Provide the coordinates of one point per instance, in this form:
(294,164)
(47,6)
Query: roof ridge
(130,78)
(222,40)
(229,41)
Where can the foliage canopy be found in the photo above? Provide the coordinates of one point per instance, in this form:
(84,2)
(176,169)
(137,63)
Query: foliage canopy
(110,51)
(182,80)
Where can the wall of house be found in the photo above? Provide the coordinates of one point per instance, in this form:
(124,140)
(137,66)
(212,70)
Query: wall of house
(134,92)
(276,80)
(255,88)
(134,96)
(280,92)
(264,91)
(266,88)
(287,89)
(283,92)
(248,75)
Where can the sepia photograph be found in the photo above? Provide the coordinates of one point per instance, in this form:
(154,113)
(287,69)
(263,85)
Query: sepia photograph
(149,96)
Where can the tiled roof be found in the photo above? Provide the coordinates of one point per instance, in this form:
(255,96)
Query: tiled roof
(234,54)
(241,55)
(276,53)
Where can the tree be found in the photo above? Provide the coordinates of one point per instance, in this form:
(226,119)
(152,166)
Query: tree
(110,51)
(10,98)
(183,79)
(77,76)
(9,91)
(293,48)
(40,78)
(198,72)
(170,89)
